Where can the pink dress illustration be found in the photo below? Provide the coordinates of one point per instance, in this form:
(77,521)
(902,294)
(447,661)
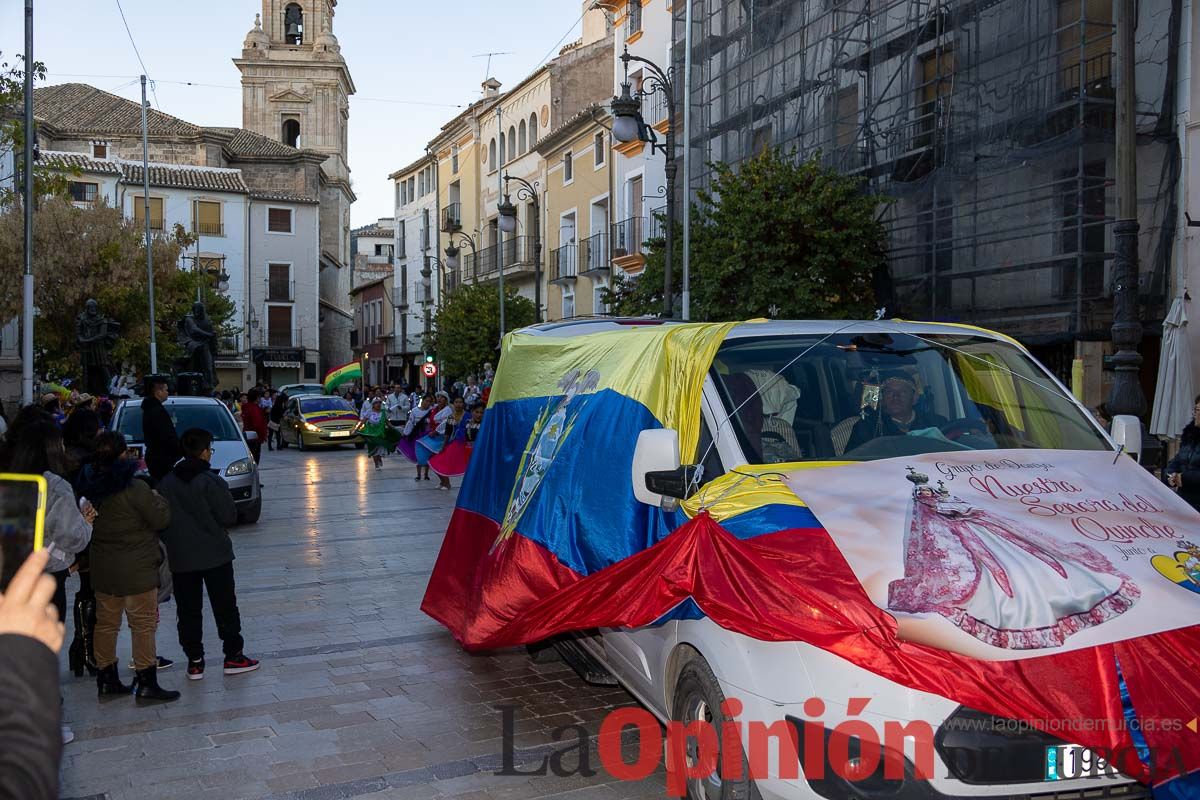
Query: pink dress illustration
(1006,585)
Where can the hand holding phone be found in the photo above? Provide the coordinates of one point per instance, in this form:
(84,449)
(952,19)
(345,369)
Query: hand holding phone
(25,607)
(22,520)
(88,510)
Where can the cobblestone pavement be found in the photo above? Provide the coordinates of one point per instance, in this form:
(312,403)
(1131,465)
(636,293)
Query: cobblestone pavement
(359,694)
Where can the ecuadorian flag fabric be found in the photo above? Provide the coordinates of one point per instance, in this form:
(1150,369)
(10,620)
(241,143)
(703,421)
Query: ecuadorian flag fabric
(547,538)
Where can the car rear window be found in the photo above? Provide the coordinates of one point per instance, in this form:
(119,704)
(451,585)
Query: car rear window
(211,417)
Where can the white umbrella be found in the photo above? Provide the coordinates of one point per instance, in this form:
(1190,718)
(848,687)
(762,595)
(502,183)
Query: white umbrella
(1173,394)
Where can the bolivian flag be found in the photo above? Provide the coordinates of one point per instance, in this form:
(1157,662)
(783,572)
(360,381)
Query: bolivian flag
(343,374)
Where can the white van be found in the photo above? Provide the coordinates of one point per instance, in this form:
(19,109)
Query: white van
(836,377)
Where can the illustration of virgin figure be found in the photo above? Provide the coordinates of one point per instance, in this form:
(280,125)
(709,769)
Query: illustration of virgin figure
(547,438)
(1006,585)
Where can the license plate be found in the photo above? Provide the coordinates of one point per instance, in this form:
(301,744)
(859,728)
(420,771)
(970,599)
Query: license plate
(1069,761)
(339,434)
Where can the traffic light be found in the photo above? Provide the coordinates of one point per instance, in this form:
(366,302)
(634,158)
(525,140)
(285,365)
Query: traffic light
(429,359)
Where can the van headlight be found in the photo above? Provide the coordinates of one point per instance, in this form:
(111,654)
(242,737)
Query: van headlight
(243,466)
(308,426)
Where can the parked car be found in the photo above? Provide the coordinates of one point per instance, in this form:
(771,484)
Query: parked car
(814,419)
(231,457)
(311,421)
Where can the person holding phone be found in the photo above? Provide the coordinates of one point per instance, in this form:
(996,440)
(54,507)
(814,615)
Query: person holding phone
(124,560)
(31,635)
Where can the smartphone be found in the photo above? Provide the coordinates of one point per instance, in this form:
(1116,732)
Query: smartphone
(22,521)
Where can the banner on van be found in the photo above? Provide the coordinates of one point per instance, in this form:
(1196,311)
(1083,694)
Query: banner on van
(994,555)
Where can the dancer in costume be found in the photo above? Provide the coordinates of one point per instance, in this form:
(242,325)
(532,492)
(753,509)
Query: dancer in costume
(415,429)
(379,435)
(1006,585)
(452,461)
(433,442)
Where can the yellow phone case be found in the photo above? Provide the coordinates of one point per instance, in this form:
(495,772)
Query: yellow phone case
(43,490)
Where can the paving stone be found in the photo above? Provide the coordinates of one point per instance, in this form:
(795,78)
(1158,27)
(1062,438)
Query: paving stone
(359,695)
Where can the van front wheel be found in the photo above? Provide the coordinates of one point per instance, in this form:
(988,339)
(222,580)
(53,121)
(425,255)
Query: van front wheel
(698,698)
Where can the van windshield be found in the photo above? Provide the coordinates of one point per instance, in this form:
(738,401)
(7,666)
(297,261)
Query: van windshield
(861,397)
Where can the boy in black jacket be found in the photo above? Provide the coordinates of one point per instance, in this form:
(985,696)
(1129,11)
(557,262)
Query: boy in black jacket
(200,553)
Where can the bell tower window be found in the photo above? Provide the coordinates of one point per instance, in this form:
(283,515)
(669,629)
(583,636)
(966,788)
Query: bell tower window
(293,24)
(291,132)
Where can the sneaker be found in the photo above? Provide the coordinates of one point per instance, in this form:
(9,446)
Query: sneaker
(163,663)
(68,735)
(239,664)
(195,670)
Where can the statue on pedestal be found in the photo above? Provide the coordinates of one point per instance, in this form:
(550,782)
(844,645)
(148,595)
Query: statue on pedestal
(199,341)
(95,336)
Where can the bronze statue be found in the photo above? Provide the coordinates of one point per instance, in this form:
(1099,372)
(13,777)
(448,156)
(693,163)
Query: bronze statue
(95,335)
(199,341)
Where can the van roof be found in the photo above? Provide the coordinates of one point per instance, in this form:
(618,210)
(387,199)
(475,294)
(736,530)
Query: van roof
(819,327)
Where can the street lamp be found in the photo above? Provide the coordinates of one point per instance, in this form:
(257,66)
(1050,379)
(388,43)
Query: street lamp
(630,126)
(508,224)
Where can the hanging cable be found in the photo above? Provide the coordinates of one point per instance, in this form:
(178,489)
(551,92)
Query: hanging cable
(145,71)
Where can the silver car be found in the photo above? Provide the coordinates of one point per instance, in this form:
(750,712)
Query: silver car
(231,457)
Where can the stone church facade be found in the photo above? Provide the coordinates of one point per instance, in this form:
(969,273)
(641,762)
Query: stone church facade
(295,90)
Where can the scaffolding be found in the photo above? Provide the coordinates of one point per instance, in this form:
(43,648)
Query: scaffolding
(987,126)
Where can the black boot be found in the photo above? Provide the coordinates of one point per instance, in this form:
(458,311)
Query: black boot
(147,690)
(108,682)
(87,613)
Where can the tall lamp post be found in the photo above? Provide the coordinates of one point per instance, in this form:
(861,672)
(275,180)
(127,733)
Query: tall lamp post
(630,126)
(508,224)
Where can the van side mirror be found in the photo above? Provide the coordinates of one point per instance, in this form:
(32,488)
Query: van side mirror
(1127,433)
(251,436)
(658,478)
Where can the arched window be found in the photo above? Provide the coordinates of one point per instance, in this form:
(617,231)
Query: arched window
(533,131)
(293,24)
(521,133)
(291,132)
(512,143)
(492,155)
(503,150)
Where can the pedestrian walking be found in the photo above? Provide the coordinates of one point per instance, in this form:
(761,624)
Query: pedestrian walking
(1183,471)
(125,560)
(158,429)
(254,419)
(200,553)
(274,418)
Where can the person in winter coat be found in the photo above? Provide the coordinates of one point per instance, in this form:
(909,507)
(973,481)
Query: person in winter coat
(30,638)
(274,417)
(254,419)
(1183,471)
(125,561)
(158,430)
(200,553)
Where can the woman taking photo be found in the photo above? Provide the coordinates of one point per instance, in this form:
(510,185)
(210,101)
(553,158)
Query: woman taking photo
(125,561)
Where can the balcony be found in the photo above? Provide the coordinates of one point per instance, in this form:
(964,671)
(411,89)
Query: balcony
(628,237)
(400,298)
(379,260)
(516,252)
(452,218)
(229,346)
(594,255)
(281,291)
(208,228)
(564,267)
(658,224)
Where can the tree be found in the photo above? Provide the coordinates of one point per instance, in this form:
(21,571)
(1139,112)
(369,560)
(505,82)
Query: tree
(776,238)
(12,131)
(466,328)
(94,252)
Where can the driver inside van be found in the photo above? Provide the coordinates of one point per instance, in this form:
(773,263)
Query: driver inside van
(898,414)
